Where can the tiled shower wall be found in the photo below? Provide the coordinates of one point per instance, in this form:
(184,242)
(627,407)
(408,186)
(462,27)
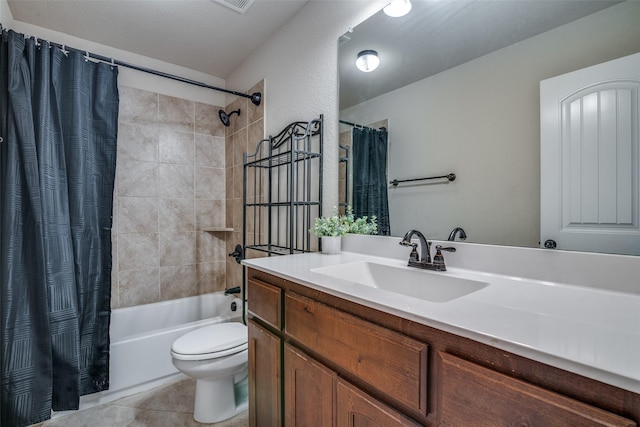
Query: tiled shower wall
(242,136)
(170,189)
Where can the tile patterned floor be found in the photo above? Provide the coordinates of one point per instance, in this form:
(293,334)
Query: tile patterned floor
(167,406)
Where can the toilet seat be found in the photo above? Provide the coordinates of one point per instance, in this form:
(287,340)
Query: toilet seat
(211,342)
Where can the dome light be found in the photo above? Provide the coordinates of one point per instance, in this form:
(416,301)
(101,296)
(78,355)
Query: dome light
(367,60)
(398,8)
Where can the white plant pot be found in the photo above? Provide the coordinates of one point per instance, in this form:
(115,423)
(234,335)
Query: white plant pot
(331,244)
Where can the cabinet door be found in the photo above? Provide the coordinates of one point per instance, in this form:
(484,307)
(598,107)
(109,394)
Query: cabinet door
(475,395)
(355,408)
(265,408)
(309,391)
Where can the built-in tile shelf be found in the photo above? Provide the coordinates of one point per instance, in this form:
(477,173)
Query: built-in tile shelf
(218,229)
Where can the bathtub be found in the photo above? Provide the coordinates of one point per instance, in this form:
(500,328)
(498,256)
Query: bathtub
(141,339)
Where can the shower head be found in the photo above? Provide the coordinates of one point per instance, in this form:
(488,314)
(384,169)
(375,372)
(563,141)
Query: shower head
(226,118)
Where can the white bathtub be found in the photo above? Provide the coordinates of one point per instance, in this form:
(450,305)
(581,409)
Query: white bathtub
(141,339)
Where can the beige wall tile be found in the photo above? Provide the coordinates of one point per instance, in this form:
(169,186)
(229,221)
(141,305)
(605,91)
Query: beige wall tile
(210,183)
(137,142)
(228,152)
(137,106)
(207,121)
(173,179)
(210,214)
(138,215)
(138,287)
(229,182)
(237,214)
(255,135)
(176,113)
(176,181)
(177,248)
(114,270)
(211,276)
(176,215)
(211,246)
(238,181)
(210,151)
(239,147)
(178,282)
(176,146)
(137,178)
(136,251)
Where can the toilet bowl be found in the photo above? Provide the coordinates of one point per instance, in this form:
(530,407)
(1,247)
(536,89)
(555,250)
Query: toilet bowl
(217,357)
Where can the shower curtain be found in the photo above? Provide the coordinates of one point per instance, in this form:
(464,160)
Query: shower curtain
(58,128)
(370,176)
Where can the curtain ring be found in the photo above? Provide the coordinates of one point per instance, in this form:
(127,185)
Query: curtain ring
(64,51)
(86,56)
(113,63)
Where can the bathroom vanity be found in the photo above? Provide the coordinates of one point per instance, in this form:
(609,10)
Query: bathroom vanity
(327,351)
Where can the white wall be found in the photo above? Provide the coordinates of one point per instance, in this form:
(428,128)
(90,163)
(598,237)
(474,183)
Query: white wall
(6,18)
(481,121)
(133,78)
(299,65)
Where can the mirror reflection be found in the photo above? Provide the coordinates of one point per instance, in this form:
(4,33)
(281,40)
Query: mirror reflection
(458,91)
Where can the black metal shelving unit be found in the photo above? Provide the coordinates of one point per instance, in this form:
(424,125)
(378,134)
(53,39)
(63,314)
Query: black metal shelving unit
(283,190)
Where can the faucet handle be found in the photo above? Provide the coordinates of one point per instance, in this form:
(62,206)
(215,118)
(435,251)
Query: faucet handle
(438,259)
(413,256)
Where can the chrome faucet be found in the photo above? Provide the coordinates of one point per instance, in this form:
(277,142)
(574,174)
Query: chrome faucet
(424,260)
(452,235)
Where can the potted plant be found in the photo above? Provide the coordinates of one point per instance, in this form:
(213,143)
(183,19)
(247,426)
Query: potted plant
(331,229)
(361,225)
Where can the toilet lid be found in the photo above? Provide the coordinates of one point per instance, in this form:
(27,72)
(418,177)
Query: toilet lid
(211,339)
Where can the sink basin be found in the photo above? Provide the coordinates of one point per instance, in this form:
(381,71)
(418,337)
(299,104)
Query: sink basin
(422,284)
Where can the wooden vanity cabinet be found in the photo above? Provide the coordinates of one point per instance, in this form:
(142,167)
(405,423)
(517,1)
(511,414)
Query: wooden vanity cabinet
(334,362)
(469,389)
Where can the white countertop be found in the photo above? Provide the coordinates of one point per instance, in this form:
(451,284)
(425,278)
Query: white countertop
(588,331)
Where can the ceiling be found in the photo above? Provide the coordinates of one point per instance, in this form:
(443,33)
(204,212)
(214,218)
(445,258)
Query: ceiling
(438,35)
(198,34)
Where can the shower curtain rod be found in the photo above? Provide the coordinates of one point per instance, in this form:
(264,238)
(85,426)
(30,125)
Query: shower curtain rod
(356,125)
(256,97)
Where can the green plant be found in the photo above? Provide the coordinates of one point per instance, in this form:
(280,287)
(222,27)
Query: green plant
(330,226)
(339,225)
(361,225)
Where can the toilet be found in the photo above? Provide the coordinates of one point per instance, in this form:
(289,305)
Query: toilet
(217,357)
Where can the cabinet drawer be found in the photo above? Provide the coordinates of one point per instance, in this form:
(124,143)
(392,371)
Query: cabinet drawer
(471,392)
(265,301)
(391,362)
(356,408)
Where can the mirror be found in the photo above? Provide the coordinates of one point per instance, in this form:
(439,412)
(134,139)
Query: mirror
(458,87)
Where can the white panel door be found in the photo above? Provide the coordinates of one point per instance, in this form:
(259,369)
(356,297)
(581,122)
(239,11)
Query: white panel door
(590,152)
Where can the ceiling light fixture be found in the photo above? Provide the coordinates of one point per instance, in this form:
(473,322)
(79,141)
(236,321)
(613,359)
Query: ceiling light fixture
(398,8)
(367,61)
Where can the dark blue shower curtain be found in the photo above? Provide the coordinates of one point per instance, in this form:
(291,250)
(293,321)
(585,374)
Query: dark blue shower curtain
(58,124)
(370,176)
